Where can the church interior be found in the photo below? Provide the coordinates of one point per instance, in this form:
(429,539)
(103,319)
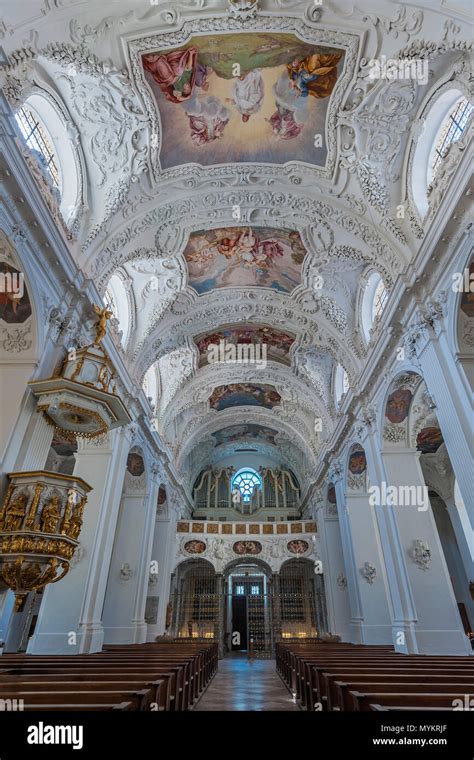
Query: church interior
(236,356)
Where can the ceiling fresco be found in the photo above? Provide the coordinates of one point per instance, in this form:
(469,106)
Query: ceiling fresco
(243,97)
(244,257)
(277,343)
(247,433)
(244,394)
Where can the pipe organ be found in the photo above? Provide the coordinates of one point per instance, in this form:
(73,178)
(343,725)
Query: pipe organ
(275,490)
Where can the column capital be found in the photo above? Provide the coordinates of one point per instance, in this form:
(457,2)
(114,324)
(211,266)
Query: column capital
(428,323)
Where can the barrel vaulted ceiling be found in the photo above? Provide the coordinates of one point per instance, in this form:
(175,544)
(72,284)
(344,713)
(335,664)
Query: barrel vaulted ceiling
(218,209)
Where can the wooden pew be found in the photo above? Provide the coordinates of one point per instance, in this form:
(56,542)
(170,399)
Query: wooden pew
(362,701)
(167,674)
(344,701)
(139,700)
(354,677)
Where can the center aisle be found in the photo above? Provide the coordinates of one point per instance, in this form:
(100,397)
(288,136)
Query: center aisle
(243,685)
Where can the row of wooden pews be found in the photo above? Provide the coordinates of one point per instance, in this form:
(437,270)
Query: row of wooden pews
(158,676)
(350,677)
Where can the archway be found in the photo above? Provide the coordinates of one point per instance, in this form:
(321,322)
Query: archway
(302,601)
(196,602)
(248,607)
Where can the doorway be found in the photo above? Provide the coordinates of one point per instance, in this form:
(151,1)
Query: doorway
(239,624)
(248,611)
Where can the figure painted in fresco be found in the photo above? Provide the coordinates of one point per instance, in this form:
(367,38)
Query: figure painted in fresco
(298,546)
(467,298)
(135,464)
(429,440)
(177,73)
(208,118)
(239,432)
(237,256)
(15,306)
(244,394)
(195,547)
(291,110)
(248,93)
(315,75)
(398,404)
(283,91)
(357,462)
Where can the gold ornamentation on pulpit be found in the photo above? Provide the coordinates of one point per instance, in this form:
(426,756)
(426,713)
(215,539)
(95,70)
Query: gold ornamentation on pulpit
(101,325)
(40,522)
(81,400)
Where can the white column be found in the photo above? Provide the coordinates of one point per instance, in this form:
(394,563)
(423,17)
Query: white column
(376,625)
(163,551)
(39,444)
(457,514)
(70,618)
(13,382)
(138,619)
(400,595)
(125,599)
(357,618)
(438,627)
(453,401)
(337,598)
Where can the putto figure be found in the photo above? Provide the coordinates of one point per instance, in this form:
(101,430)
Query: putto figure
(101,324)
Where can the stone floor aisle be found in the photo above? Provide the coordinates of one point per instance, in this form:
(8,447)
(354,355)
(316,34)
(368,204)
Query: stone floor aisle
(243,685)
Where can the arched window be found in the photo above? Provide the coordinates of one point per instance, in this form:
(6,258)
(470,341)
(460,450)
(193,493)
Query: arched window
(46,129)
(246,480)
(450,132)
(373,302)
(444,121)
(150,385)
(38,139)
(115,298)
(341,383)
(380,299)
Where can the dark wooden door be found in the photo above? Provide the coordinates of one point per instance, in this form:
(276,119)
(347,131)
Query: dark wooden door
(239,622)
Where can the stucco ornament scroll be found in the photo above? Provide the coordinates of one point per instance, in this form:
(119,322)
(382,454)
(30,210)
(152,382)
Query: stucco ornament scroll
(376,127)
(114,122)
